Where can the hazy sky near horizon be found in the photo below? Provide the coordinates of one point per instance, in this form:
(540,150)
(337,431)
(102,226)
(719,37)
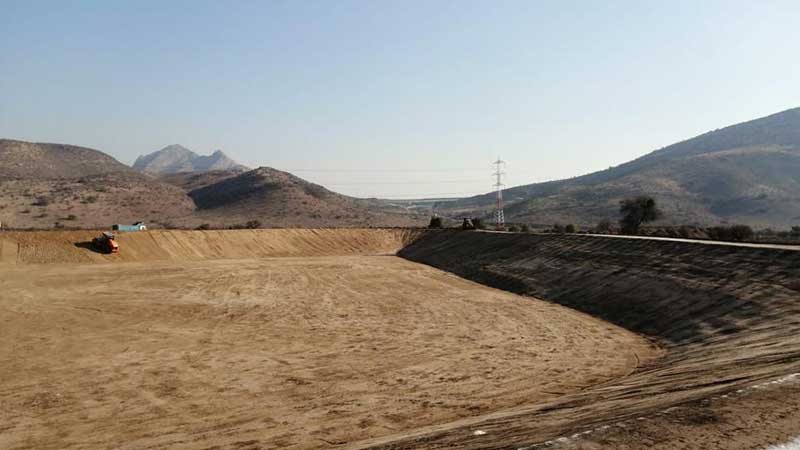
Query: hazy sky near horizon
(395,98)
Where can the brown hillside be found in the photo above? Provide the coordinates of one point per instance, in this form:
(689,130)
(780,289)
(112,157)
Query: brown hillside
(747,173)
(96,201)
(29,160)
(277,198)
(189,181)
(54,185)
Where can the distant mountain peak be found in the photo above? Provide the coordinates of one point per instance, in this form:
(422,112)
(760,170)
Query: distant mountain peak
(176,158)
(177,148)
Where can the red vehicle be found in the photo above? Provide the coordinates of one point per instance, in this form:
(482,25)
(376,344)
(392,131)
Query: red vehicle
(105,243)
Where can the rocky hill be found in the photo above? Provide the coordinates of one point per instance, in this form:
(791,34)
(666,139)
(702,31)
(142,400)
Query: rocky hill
(30,160)
(189,181)
(56,185)
(176,159)
(747,173)
(277,198)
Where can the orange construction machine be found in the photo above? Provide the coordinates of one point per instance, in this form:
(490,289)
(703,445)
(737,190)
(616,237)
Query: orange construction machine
(106,243)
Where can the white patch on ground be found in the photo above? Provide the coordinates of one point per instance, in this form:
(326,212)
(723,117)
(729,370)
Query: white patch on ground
(792,445)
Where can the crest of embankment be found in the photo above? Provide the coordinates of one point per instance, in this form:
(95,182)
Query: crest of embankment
(46,247)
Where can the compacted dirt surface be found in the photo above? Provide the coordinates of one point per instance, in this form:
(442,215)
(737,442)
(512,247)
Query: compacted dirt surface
(307,339)
(190,345)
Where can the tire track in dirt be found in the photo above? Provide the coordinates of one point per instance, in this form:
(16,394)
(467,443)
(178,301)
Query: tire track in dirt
(276,352)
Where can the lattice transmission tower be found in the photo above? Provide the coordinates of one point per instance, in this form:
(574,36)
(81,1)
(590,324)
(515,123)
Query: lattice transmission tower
(499,171)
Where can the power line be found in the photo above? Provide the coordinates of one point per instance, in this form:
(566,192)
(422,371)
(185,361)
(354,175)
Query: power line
(402,182)
(424,196)
(401,197)
(465,169)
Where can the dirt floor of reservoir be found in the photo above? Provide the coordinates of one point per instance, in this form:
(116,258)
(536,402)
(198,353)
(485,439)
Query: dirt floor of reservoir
(293,352)
(302,339)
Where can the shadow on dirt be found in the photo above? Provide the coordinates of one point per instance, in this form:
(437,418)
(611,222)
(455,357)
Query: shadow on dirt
(677,292)
(88,246)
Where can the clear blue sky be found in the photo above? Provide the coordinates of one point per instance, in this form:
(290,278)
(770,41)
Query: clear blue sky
(336,89)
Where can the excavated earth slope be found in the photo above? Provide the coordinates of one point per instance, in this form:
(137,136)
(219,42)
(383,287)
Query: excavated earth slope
(266,339)
(729,317)
(45,247)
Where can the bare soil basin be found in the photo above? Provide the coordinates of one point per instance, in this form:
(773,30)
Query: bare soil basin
(308,339)
(175,350)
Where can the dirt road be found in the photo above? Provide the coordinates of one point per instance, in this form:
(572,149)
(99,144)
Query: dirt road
(294,353)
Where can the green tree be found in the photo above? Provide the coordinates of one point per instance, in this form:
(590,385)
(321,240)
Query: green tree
(637,211)
(436,222)
(572,228)
(604,227)
(732,233)
(741,233)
